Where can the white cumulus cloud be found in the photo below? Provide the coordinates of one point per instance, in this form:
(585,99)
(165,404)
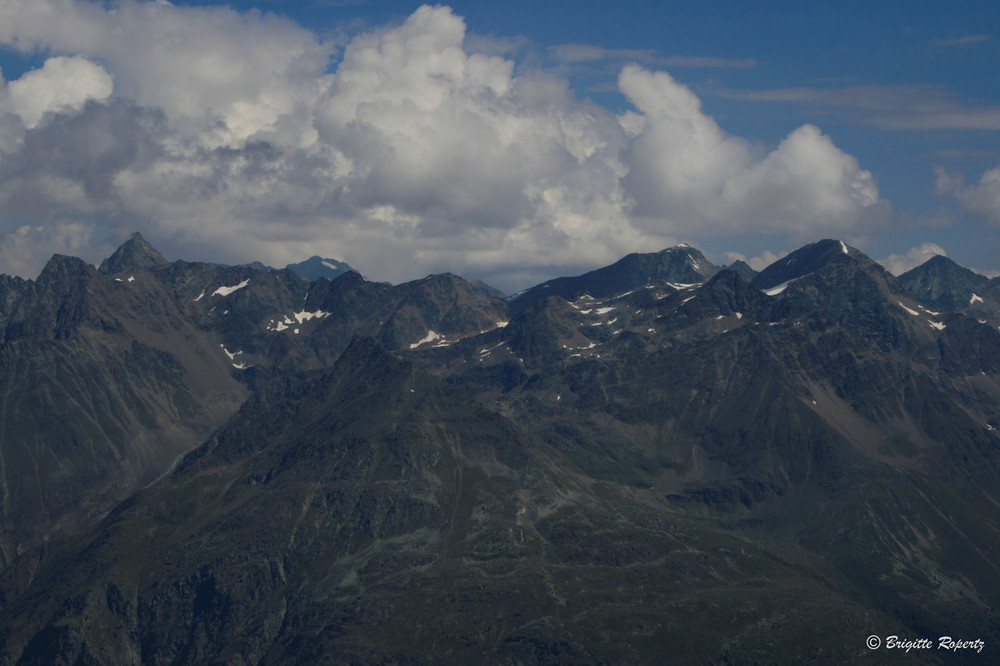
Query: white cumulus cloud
(61,84)
(687,174)
(234,136)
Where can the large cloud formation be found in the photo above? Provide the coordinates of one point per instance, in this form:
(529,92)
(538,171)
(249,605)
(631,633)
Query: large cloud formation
(234,136)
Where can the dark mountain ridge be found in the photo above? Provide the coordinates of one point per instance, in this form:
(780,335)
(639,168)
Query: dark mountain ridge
(681,264)
(656,461)
(942,284)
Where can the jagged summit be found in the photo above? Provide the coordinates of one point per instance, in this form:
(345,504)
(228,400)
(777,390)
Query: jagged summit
(681,264)
(744,269)
(801,262)
(944,285)
(133,254)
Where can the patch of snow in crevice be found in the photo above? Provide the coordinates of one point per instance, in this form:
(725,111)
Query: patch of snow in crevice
(242,365)
(225,291)
(487,351)
(681,286)
(430,337)
(843,246)
(975,299)
(778,288)
(938,325)
(602,311)
(306,316)
(912,312)
(930,312)
(496,325)
(200,296)
(131,278)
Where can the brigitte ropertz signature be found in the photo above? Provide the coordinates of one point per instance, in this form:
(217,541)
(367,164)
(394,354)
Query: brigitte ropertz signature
(943,643)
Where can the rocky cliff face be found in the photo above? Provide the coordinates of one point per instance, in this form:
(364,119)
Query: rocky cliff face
(104,383)
(656,461)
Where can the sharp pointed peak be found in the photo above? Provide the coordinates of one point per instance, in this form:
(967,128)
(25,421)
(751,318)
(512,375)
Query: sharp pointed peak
(135,253)
(805,260)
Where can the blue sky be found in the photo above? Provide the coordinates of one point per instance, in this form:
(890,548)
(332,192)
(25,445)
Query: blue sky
(505,141)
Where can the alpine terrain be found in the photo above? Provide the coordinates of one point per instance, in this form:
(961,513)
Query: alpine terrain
(659,461)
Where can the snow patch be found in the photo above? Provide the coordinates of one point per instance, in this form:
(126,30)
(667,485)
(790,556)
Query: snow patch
(912,312)
(200,296)
(225,291)
(306,316)
(430,337)
(487,352)
(232,357)
(938,325)
(975,299)
(778,288)
(601,311)
(843,247)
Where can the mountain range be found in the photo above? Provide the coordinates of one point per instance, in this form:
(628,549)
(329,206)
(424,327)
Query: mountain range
(659,461)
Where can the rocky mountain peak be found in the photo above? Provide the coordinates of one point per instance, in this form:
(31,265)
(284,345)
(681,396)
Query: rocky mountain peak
(317,267)
(681,264)
(801,262)
(134,254)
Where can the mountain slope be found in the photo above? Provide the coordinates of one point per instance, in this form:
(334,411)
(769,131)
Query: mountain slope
(373,513)
(837,391)
(104,384)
